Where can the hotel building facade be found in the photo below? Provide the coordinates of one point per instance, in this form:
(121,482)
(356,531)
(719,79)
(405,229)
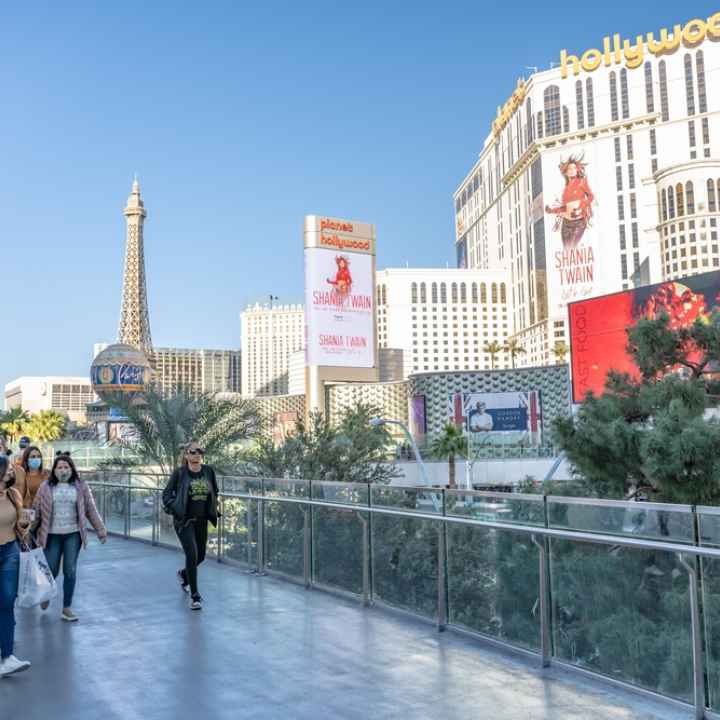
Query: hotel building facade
(598,175)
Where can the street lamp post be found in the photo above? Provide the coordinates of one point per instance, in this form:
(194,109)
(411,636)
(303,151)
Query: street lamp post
(379,422)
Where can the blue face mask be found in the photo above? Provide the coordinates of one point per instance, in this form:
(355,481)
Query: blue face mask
(34,463)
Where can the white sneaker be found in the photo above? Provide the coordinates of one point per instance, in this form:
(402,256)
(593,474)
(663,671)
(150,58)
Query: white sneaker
(11,665)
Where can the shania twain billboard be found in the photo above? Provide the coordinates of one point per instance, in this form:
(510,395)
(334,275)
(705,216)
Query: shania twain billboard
(598,327)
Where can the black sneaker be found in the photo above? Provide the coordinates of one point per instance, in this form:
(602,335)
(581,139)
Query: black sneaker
(181,577)
(196,602)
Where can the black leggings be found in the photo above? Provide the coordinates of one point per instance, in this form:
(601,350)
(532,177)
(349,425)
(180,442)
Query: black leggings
(193,538)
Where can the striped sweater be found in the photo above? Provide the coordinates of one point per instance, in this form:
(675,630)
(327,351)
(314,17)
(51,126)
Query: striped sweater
(87,512)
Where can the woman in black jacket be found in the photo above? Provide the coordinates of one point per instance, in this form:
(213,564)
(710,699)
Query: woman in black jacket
(191,497)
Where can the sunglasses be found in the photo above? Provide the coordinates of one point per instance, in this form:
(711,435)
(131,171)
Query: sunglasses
(196,452)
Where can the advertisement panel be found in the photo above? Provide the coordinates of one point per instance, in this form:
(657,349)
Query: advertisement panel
(598,327)
(418,417)
(579,220)
(502,417)
(339,308)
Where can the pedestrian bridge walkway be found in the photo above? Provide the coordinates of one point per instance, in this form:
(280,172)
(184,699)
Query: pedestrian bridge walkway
(267,649)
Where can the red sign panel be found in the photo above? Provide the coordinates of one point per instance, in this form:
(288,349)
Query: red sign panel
(598,327)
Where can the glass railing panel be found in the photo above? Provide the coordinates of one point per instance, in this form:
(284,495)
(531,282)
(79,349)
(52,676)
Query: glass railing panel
(341,492)
(513,508)
(338,548)
(241,485)
(148,480)
(709,534)
(407,498)
(405,562)
(624,613)
(166,530)
(493,583)
(116,508)
(654,521)
(142,509)
(284,538)
(240,530)
(279,487)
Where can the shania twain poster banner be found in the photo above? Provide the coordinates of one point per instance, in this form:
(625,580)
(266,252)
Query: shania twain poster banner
(572,227)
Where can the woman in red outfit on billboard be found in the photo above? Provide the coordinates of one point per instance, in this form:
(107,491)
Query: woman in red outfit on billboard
(575,208)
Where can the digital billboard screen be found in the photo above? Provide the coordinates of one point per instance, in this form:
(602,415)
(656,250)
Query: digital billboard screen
(598,327)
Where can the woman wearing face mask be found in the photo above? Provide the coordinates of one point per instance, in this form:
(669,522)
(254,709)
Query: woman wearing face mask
(63,506)
(13,523)
(35,475)
(191,498)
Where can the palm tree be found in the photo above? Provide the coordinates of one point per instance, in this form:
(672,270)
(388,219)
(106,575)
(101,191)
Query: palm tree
(560,352)
(514,348)
(492,348)
(13,422)
(450,444)
(46,426)
(164,424)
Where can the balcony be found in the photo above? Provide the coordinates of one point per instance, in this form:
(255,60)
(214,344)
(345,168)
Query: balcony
(554,608)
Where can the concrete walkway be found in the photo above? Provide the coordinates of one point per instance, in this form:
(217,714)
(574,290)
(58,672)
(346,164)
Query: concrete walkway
(266,649)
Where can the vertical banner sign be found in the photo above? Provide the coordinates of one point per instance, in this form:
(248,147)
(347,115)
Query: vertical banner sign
(339,293)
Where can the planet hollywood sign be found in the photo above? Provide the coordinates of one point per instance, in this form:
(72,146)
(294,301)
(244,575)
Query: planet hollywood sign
(617,51)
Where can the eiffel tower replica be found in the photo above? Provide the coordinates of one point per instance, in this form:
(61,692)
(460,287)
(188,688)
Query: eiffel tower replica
(134,314)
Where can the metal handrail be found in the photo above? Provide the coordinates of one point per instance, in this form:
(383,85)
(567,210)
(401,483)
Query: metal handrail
(540,535)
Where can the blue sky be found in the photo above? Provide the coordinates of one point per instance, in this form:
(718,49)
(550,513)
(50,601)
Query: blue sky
(240,118)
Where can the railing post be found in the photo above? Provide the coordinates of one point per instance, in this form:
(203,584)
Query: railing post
(221,530)
(307,547)
(249,522)
(127,512)
(155,517)
(544,600)
(365,559)
(698,660)
(442,568)
(261,530)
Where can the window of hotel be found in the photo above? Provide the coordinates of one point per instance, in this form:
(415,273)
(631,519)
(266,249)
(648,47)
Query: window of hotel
(621,208)
(529,121)
(671,205)
(474,291)
(649,97)
(680,201)
(454,292)
(630,148)
(631,176)
(590,102)
(566,119)
(690,198)
(413,293)
(540,133)
(384,295)
(423,293)
(443,293)
(624,94)
(579,105)
(700,65)
(623,265)
(664,105)
(633,206)
(457,204)
(653,143)
(618,177)
(712,206)
(622,237)
(654,165)
(706,131)
(689,89)
(635,239)
(493,293)
(691,133)
(613,96)
(503,293)
(434,293)
(618,157)
(551,98)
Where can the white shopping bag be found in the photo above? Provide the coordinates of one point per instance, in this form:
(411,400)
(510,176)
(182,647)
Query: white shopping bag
(37,583)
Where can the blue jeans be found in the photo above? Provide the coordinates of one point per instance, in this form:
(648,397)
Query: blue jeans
(9,575)
(67,548)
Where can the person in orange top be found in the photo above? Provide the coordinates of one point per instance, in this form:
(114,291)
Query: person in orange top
(575,207)
(32,468)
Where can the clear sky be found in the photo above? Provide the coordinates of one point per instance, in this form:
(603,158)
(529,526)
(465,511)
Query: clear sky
(240,118)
